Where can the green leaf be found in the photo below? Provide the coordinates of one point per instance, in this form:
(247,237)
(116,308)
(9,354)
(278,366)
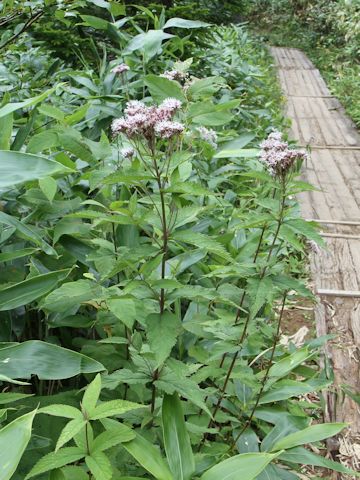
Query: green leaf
(56,460)
(47,361)
(314,433)
(18,167)
(48,186)
(7,397)
(165,326)
(112,437)
(303,456)
(284,366)
(231,148)
(260,291)
(51,111)
(201,240)
(238,153)
(29,290)
(9,256)
(6,128)
(113,407)
(124,309)
(286,389)
(28,232)
(149,42)
(91,395)
(42,141)
(12,107)
(149,457)
(176,439)
(245,466)
(69,431)
(161,88)
(61,410)
(182,23)
(71,294)
(99,465)
(14,438)
(74,473)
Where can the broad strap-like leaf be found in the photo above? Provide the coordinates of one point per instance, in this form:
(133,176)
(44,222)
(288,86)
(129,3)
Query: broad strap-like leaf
(14,438)
(17,168)
(149,457)
(314,433)
(47,361)
(26,231)
(176,439)
(302,456)
(31,289)
(246,466)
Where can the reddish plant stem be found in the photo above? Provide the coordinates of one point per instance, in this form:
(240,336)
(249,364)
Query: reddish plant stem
(244,332)
(266,376)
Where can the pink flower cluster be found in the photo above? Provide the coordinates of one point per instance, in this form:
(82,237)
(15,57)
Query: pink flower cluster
(277,156)
(127,152)
(149,122)
(209,135)
(120,68)
(174,75)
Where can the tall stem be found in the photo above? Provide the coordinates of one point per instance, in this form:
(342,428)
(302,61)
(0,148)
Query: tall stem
(266,376)
(247,322)
(163,263)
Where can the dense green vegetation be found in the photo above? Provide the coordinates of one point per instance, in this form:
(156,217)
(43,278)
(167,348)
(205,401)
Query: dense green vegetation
(149,244)
(327,30)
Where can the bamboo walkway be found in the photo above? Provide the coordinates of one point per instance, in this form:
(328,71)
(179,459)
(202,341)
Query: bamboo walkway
(319,121)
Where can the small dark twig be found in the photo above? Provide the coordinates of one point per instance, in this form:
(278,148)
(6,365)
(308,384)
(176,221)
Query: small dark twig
(25,27)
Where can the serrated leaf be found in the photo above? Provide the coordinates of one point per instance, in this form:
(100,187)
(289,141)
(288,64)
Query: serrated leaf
(71,294)
(91,395)
(112,408)
(99,465)
(201,240)
(112,437)
(56,460)
(162,332)
(69,431)
(60,410)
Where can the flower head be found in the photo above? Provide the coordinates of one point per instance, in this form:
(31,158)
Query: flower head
(120,68)
(134,107)
(168,129)
(209,135)
(141,120)
(174,75)
(127,152)
(277,156)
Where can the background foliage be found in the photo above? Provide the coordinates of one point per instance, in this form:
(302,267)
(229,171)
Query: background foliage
(142,291)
